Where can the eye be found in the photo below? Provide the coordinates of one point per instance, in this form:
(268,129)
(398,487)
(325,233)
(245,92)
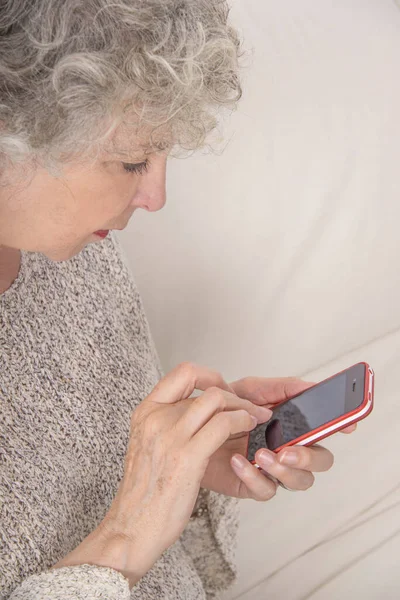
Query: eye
(138,168)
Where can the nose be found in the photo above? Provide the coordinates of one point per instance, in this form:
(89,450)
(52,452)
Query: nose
(151,193)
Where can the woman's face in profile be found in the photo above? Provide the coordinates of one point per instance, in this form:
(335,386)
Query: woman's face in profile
(59,215)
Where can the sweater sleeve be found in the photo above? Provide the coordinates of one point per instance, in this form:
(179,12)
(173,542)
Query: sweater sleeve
(82,582)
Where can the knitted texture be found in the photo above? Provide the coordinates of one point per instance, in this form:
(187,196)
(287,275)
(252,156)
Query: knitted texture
(76,357)
(83,581)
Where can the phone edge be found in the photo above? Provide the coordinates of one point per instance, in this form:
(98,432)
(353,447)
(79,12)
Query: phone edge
(335,425)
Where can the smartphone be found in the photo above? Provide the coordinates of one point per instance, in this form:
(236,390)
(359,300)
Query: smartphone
(320,411)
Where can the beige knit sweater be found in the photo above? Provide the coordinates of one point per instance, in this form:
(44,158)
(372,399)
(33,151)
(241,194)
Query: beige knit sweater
(76,357)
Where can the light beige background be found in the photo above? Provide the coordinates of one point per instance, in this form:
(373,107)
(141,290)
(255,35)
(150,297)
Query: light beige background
(281,257)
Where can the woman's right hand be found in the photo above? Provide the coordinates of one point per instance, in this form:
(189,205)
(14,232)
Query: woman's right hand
(172,438)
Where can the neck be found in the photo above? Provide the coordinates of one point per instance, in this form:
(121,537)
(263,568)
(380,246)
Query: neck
(10,261)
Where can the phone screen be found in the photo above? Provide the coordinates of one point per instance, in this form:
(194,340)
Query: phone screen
(313,408)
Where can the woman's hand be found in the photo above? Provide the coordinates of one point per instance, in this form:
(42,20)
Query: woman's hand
(230,473)
(172,438)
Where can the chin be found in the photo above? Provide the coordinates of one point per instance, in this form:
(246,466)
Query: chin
(64,254)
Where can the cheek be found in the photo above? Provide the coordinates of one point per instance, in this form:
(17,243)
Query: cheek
(90,210)
(103,206)
(59,220)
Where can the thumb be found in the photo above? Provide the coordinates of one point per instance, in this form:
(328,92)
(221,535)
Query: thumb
(261,390)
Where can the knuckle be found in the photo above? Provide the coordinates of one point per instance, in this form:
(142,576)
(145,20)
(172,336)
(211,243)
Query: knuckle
(187,369)
(217,395)
(222,422)
(137,417)
(246,419)
(222,419)
(152,425)
(154,391)
(244,415)
(246,405)
(305,458)
(217,377)
(288,384)
(267,494)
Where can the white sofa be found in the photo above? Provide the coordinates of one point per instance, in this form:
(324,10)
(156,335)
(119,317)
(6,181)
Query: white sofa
(281,257)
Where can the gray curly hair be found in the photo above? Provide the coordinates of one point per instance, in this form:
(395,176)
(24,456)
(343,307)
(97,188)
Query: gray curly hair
(72,71)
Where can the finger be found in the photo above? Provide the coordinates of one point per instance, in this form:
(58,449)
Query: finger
(261,390)
(216,431)
(254,484)
(349,429)
(314,458)
(213,401)
(295,479)
(181,382)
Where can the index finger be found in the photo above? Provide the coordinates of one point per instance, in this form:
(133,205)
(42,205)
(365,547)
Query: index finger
(181,382)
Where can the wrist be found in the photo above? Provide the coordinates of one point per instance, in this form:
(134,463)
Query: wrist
(106,548)
(121,554)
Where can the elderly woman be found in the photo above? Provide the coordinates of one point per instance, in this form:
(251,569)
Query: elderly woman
(115,482)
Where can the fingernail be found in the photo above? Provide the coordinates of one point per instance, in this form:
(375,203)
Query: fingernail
(266,458)
(255,420)
(289,457)
(238,462)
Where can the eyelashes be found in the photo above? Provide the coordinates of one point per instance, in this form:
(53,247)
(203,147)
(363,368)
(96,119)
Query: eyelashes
(138,168)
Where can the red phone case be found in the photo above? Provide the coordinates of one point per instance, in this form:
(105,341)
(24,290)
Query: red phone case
(341,422)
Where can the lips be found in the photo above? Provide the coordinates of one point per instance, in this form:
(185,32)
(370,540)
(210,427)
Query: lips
(102,232)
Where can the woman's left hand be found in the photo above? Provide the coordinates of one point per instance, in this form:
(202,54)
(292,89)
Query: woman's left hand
(230,473)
